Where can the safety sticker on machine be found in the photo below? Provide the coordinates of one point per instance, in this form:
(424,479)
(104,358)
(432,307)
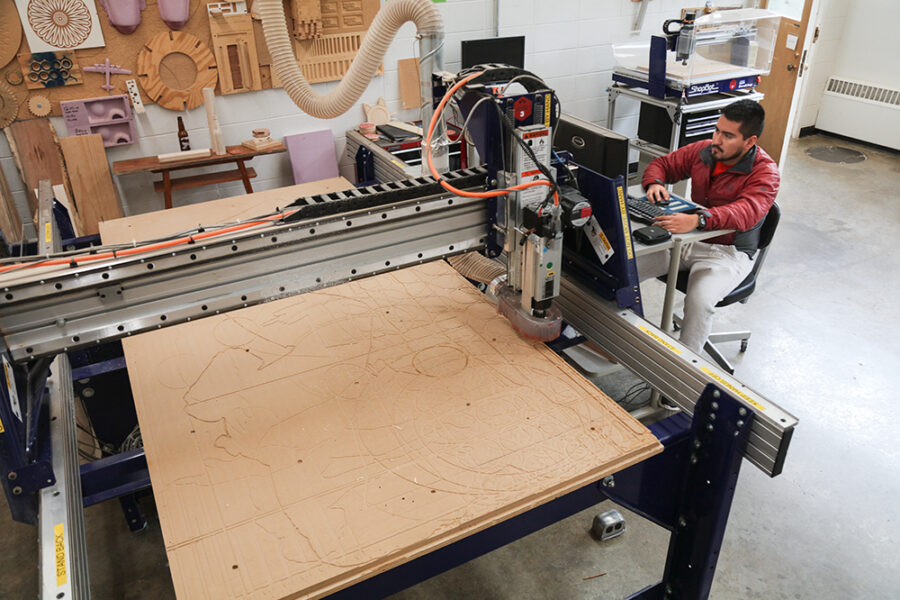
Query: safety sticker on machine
(598,240)
(659,339)
(59,546)
(732,389)
(11,389)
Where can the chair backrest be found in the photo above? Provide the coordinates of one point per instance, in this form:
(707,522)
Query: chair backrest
(766,233)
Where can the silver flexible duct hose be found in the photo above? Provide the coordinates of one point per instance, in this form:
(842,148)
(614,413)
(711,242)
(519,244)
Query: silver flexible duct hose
(384,27)
(477,267)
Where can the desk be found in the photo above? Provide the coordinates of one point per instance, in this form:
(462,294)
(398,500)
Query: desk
(233,154)
(675,244)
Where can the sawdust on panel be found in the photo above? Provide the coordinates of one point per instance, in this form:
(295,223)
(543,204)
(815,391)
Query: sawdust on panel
(300,446)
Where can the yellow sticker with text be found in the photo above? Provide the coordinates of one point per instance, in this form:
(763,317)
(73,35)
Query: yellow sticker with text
(59,545)
(732,389)
(623,212)
(659,339)
(48,232)
(1,427)
(547,102)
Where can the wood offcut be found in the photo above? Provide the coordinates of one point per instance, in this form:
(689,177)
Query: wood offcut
(95,194)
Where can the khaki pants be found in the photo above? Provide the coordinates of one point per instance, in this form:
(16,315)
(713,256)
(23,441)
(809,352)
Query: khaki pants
(715,271)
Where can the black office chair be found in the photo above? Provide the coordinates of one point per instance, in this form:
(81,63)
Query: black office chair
(739,294)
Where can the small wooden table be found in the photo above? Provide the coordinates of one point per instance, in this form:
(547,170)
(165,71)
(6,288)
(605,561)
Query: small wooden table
(233,154)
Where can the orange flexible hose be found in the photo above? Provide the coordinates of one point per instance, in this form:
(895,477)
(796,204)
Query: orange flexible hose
(457,191)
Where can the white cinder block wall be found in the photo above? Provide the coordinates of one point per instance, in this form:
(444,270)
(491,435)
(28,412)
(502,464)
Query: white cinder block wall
(568,42)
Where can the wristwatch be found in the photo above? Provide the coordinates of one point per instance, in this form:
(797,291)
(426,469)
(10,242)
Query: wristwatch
(701,221)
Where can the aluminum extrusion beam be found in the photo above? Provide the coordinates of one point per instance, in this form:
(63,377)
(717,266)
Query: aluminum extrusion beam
(679,374)
(82,306)
(62,542)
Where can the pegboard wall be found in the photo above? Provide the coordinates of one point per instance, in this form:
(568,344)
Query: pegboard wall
(324,55)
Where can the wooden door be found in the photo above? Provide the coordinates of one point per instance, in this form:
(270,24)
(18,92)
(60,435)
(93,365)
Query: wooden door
(778,85)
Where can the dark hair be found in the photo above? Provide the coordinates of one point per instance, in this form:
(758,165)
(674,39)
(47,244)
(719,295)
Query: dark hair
(749,114)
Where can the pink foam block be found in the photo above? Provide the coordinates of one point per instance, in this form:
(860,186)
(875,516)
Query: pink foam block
(174,13)
(312,155)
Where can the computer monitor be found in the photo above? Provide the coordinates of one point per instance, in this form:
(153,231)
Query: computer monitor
(597,148)
(503,50)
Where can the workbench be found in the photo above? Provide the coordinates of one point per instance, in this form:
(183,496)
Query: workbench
(233,154)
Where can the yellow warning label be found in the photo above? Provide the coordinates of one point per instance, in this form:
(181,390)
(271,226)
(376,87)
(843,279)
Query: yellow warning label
(659,339)
(59,544)
(547,102)
(732,389)
(1,427)
(48,232)
(604,240)
(626,230)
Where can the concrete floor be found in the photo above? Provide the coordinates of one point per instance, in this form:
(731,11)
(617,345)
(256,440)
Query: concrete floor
(825,320)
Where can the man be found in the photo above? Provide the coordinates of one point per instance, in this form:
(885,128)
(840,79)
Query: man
(737,182)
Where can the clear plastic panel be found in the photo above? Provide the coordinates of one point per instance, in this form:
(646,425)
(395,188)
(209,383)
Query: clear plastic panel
(725,44)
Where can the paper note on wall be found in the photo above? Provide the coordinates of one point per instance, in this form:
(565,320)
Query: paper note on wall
(792,42)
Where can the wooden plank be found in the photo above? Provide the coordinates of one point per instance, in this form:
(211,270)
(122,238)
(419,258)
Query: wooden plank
(35,148)
(151,164)
(303,445)
(192,181)
(95,195)
(10,222)
(408,74)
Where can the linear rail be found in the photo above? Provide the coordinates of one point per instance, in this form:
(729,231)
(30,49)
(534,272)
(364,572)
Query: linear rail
(679,374)
(78,307)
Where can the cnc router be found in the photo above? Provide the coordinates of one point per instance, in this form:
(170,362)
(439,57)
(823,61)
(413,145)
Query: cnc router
(519,226)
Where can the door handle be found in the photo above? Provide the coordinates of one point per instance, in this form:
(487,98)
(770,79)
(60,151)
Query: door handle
(791,67)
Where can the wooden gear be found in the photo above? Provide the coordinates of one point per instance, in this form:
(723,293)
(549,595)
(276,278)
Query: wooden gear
(39,105)
(9,106)
(152,56)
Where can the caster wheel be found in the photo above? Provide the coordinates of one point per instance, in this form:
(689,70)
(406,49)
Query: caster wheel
(744,345)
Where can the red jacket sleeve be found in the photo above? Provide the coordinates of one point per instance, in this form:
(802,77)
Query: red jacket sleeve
(673,167)
(753,202)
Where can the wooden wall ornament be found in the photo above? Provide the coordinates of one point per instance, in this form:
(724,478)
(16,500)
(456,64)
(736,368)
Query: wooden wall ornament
(157,49)
(50,70)
(52,25)
(234,45)
(9,105)
(10,32)
(39,105)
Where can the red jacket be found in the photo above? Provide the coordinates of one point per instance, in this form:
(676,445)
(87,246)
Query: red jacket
(738,198)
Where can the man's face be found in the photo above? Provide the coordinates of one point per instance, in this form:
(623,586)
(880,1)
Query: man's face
(728,143)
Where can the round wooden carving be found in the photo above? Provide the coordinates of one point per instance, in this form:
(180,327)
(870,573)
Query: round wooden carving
(151,58)
(10,32)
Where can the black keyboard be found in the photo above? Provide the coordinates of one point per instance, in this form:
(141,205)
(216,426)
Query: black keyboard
(641,210)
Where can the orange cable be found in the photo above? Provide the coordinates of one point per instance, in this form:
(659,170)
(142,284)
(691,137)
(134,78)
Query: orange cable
(457,191)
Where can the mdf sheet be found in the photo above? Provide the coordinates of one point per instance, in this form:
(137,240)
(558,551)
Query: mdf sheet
(300,446)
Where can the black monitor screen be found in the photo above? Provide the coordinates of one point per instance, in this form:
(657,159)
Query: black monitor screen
(597,148)
(505,50)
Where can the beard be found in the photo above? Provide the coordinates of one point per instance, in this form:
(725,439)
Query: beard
(717,153)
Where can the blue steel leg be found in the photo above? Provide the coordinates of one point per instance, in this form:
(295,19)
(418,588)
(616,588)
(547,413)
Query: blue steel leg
(708,461)
(133,514)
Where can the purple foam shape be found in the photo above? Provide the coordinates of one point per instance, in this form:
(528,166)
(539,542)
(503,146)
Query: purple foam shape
(124,15)
(174,13)
(312,155)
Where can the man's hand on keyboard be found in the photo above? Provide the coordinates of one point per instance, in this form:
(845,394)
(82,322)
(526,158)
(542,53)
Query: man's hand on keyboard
(657,193)
(676,222)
